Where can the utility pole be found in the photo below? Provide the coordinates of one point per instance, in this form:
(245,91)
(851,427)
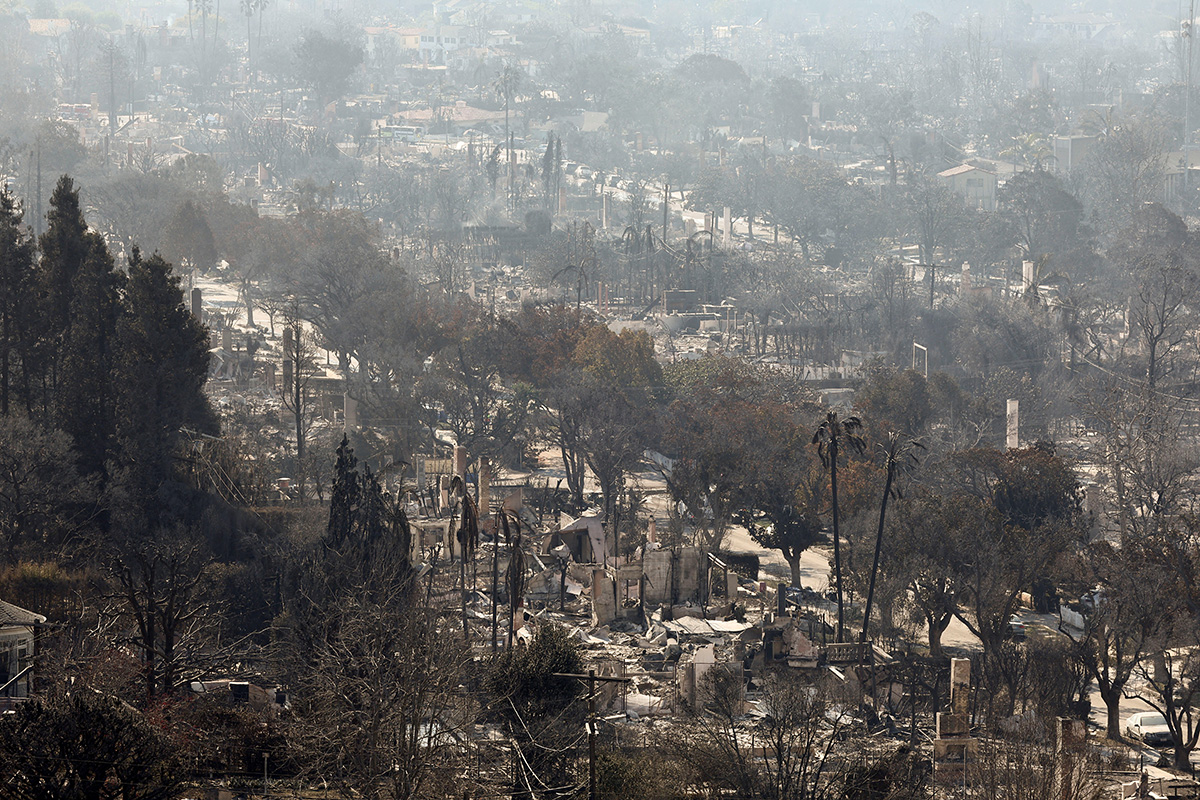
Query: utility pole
(590,725)
(1189,34)
(591,729)
(666,209)
(38,222)
(112,89)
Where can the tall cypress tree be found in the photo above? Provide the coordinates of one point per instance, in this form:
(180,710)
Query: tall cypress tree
(85,402)
(65,246)
(18,302)
(160,364)
(343,498)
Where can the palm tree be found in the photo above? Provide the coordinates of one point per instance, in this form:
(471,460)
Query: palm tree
(1029,148)
(261,5)
(248,8)
(507,83)
(896,454)
(504,515)
(831,436)
(587,265)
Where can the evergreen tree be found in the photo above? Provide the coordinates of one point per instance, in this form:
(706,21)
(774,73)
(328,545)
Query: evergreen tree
(161,363)
(188,239)
(18,301)
(364,557)
(343,498)
(367,533)
(86,397)
(65,246)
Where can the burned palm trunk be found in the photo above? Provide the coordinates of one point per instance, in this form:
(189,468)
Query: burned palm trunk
(468,540)
(496,575)
(516,584)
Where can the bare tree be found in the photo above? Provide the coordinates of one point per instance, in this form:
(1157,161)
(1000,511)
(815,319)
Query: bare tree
(1127,169)
(299,353)
(161,595)
(1123,617)
(1161,313)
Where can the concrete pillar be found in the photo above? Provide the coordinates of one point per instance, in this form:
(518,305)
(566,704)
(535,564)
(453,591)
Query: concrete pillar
(604,597)
(656,569)
(954,748)
(197,304)
(460,462)
(955,723)
(652,531)
(604,210)
(1012,437)
(960,686)
(485,486)
(350,412)
(1026,276)
(269,374)
(443,491)
(727,224)
(1071,735)
(227,339)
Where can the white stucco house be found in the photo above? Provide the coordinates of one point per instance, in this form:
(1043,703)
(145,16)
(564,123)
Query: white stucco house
(18,627)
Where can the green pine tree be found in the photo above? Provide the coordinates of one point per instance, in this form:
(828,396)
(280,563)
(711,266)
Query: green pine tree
(65,245)
(343,498)
(18,303)
(160,366)
(188,239)
(86,397)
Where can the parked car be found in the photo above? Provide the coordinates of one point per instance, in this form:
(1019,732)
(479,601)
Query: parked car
(1149,727)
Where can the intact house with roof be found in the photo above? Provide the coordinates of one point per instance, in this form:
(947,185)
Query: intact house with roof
(17,639)
(976,186)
